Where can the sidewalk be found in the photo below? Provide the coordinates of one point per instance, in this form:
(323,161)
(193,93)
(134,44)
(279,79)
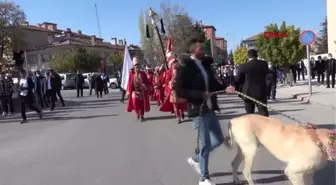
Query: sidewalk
(321,95)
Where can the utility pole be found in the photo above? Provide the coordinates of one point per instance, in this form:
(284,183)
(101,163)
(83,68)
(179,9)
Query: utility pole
(98,23)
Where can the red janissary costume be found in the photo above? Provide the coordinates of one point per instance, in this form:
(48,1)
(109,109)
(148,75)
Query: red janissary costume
(137,89)
(173,103)
(150,76)
(158,82)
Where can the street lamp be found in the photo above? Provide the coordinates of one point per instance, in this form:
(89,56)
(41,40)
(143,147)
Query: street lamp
(154,16)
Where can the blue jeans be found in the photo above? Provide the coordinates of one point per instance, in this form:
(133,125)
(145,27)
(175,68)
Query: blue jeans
(211,136)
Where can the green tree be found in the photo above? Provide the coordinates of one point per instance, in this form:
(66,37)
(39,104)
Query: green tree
(117,59)
(11,35)
(240,55)
(284,51)
(322,40)
(79,59)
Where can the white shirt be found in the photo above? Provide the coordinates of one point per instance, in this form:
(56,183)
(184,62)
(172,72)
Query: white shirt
(49,83)
(205,77)
(23,84)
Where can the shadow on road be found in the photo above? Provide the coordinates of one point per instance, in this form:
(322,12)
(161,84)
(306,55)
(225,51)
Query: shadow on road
(278,178)
(155,118)
(52,117)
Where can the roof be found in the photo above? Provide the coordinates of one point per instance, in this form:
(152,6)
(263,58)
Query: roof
(253,38)
(58,31)
(220,38)
(209,26)
(63,40)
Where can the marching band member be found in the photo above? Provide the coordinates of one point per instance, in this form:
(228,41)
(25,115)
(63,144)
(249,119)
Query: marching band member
(150,76)
(158,82)
(172,102)
(137,90)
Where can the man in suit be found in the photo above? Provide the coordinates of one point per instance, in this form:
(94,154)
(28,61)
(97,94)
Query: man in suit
(38,88)
(57,85)
(50,87)
(79,81)
(320,68)
(195,81)
(252,79)
(331,70)
(26,87)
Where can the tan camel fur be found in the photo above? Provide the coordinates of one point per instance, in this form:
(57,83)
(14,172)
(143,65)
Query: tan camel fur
(295,145)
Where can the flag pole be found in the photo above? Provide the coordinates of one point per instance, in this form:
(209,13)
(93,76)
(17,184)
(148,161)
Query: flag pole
(153,15)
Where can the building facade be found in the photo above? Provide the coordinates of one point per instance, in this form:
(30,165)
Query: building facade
(331,19)
(250,42)
(45,40)
(218,44)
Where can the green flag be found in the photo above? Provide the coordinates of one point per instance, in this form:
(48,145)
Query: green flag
(207,46)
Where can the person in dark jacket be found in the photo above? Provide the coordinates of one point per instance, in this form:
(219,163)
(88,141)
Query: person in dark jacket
(251,78)
(320,68)
(50,87)
(331,70)
(26,94)
(79,81)
(58,85)
(271,82)
(92,79)
(195,82)
(38,88)
(99,86)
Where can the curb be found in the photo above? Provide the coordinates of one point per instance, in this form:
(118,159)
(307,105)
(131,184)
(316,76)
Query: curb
(306,99)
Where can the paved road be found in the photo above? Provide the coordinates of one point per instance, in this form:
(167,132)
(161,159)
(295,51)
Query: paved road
(94,142)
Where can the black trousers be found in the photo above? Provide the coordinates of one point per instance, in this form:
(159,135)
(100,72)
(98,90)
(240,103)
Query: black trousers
(80,90)
(7,104)
(51,97)
(301,72)
(250,108)
(99,94)
(39,99)
(332,76)
(123,93)
(58,93)
(27,101)
(106,90)
(294,77)
(91,88)
(320,77)
(271,90)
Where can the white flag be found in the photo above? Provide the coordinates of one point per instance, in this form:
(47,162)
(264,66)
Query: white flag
(127,65)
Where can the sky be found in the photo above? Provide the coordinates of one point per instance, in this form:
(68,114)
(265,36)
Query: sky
(234,20)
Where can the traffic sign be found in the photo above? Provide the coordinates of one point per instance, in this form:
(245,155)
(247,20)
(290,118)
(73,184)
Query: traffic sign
(308,37)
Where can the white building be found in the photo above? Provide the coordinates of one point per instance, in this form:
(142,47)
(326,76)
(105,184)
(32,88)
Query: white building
(250,42)
(331,17)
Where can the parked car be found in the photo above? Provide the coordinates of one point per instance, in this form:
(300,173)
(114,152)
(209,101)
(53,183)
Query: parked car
(113,83)
(68,80)
(86,79)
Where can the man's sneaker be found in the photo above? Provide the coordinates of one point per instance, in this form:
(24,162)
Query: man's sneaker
(4,114)
(194,165)
(206,182)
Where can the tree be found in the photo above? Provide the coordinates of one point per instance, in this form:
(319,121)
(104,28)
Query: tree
(79,59)
(178,24)
(11,39)
(240,55)
(322,40)
(117,59)
(284,51)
